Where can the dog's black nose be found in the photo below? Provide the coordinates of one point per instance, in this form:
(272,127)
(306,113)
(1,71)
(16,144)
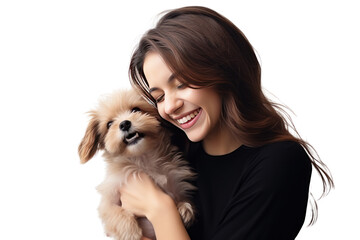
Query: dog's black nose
(125,125)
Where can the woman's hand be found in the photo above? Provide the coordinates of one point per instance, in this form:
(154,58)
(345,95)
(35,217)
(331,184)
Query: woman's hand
(141,195)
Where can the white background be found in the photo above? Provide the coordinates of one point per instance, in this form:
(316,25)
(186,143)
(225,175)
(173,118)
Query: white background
(58,57)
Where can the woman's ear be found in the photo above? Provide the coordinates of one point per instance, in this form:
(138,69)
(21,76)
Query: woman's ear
(90,143)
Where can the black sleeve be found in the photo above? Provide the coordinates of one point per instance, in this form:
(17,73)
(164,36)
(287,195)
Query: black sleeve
(271,201)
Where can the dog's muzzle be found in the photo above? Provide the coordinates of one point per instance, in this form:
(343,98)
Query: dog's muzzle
(130,137)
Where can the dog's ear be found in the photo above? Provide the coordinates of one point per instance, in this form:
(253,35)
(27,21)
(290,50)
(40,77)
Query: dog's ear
(90,143)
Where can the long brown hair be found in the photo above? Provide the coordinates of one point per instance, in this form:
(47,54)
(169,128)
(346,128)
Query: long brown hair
(204,49)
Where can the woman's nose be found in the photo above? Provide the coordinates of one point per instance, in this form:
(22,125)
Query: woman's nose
(172,104)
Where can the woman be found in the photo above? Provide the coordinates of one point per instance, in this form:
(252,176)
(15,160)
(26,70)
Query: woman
(253,175)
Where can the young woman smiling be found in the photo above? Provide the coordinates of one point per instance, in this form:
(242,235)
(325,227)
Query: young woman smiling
(253,175)
(196,111)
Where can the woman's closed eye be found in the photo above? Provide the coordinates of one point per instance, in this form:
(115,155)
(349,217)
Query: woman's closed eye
(159,98)
(181,86)
(178,86)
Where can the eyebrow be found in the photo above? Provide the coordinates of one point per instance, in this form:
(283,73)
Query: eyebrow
(170,79)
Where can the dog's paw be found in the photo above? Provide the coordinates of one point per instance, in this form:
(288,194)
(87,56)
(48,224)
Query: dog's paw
(122,227)
(186,212)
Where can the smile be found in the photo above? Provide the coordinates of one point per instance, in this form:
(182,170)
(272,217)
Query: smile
(189,117)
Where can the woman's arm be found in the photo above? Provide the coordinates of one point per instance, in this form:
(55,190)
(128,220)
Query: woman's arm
(144,198)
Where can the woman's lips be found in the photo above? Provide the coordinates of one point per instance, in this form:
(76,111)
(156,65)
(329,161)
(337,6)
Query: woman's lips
(189,120)
(188,117)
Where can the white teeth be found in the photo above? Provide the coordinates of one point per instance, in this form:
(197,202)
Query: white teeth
(188,117)
(133,137)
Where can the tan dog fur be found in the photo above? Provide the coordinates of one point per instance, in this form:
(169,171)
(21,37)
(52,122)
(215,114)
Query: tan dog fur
(144,147)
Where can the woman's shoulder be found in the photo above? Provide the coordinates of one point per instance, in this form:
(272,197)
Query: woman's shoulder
(279,164)
(283,155)
(283,149)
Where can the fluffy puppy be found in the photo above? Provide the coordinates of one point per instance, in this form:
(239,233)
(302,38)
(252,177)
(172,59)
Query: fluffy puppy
(128,131)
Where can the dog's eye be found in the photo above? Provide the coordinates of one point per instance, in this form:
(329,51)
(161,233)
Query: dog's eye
(108,125)
(135,109)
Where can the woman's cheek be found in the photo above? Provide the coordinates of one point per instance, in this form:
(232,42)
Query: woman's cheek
(163,114)
(161,111)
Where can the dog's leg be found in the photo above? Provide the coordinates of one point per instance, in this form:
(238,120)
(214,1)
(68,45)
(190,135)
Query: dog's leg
(118,223)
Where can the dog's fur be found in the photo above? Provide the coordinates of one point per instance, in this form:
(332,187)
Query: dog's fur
(129,132)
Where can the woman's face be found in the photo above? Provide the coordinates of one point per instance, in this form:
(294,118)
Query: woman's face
(196,111)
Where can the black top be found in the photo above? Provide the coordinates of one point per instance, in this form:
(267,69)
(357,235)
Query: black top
(251,193)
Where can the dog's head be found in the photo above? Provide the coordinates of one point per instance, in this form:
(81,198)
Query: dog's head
(123,124)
